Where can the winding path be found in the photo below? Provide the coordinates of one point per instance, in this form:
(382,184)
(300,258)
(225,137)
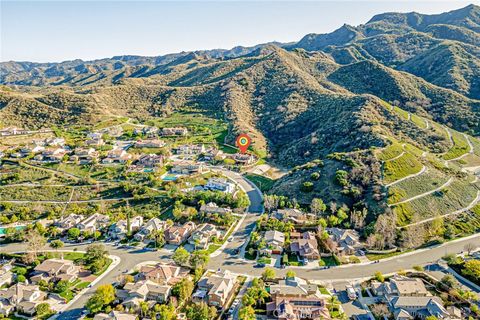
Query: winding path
(424,169)
(446,184)
(462,210)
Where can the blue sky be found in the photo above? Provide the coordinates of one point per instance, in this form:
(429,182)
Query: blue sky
(64,30)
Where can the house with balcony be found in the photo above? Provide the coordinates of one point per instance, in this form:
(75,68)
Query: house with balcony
(306,247)
(178,234)
(161,273)
(22,298)
(55,270)
(153,225)
(296,298)
(94,222)
(202,236)
(220,184)
(215,289)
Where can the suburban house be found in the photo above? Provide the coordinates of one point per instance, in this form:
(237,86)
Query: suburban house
(176,131)
(160,273)
(119,230)
(6,275)
(295,298)
(243,158)
(220,184)
(189,149)
(187,167)
(95,142)
(212,208)
(347,240)
(306,247)
(84,155)
(95,222)
(56,141)
(294,215)
(215,289)
(202,236)
(21,297)
(115,315)
(51,155)
(117,155)
(145,290)
(70,221)
(150,161)
(178,234)
(150,143)
(274,242)
(55,270)
(148,131)
(152,225)
(408,298)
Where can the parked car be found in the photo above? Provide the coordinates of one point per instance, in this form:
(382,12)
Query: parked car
(352,295)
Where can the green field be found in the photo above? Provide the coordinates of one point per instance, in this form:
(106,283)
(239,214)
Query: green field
(263,183)
(456,196)
(401,167)
(418,121)
(429,180)
(459,148)
(390,152)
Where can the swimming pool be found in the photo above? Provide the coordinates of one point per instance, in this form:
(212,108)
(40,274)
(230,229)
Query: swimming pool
(3,230)
(169,177)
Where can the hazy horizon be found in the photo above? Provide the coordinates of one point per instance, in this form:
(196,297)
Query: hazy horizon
(54,31)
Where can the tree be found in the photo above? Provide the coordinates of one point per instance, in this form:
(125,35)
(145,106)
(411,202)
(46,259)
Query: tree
(183,289)
(62,286)
(380,310)
(246,313)
(469,247)
(43,309)
(449,281)
(96,257)
(73,233)
(165,312)
(35,241)
(317,206)
(431,318)
(103,296)
(143,308)
(158,237)
(56,244)
(201,311)
(268,274)
(199,259)
(472,269)
(291,274)
(379,276)
(181,256)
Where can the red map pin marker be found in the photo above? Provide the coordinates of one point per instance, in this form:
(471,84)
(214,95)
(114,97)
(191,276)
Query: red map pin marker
(243,141)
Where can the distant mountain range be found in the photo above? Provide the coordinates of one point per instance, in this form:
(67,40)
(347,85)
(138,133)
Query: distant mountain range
(325,94)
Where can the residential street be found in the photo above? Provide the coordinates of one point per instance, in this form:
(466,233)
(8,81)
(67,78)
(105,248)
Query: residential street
(129,258)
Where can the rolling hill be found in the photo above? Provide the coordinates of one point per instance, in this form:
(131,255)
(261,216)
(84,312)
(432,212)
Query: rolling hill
(387,112)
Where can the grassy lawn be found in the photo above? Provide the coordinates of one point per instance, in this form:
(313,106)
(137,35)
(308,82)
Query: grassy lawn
(263,183)
(213,247)
(264,260)
(323,290)
(67,295)
(109,262)
(329,261)
(293,260)
(74,256)
(380,256)
(82,285)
